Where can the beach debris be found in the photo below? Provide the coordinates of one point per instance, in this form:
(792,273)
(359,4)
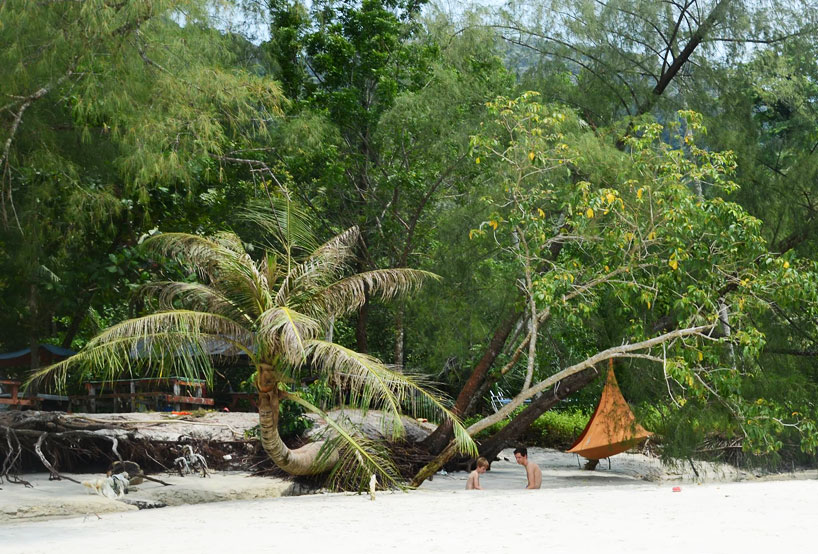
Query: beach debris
(112,487)
(677,489)
(373,483)
(136,477)
(191,462)
(134,470)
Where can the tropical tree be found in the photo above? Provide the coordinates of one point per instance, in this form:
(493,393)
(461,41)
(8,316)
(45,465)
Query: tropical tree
(274,308)
(654,266)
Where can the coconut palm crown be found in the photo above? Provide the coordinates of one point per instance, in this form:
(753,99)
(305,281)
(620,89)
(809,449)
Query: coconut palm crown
(275,309)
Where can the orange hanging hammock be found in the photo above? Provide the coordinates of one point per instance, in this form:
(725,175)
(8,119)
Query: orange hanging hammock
(612,429)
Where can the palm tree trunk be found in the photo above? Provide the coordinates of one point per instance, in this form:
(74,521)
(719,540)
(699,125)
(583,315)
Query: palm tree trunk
(307,460)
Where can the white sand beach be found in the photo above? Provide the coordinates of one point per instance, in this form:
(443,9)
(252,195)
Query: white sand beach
(616,510)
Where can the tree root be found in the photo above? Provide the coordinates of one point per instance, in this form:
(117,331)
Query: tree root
(11,463)
(30,441)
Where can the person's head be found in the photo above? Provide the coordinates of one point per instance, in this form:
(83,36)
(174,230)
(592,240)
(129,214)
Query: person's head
(482,465)
(521,455)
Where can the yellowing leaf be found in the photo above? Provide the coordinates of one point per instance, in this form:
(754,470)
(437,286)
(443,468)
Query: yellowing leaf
(531,156)
(673,264)
(701,356)
(477,160)
(786,265)
(610,197)
(639,194)
(493,224)
(571,277)
(652,235)
(589,213)
(542,213)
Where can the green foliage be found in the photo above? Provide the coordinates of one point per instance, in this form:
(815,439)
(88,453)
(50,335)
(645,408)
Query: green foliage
(119,121)
(394,104)
(114,122)
(645,238)
(554,429)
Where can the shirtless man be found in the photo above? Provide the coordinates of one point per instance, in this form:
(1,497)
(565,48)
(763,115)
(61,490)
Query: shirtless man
(532,470)
(474,477)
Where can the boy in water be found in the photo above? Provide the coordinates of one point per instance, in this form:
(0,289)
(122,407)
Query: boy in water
(474,477)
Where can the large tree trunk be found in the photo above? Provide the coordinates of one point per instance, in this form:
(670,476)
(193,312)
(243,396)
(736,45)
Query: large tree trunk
(76,319)
(435,442)
(307,460)
(492,446)
(360,328)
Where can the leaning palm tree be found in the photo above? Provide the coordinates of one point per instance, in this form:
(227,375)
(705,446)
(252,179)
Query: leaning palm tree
(274,308)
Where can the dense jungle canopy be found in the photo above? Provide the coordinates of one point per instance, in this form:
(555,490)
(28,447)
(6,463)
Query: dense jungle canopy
(590,179)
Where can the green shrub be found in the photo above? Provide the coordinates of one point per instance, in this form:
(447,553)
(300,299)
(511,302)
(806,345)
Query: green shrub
(556,429)
(553,429)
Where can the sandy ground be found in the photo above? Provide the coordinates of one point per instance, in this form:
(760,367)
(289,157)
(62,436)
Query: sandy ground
(643,517)
(630,507)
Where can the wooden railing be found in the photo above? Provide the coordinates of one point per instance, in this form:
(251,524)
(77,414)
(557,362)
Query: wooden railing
(151,393)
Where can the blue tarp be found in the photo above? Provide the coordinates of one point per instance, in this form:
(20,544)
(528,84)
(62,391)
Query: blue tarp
(21,357)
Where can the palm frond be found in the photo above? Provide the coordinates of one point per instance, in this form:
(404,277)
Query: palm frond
(183,322)
(160,354)
(338,250)
(325,265)
(229,241)
(349,294)
(241,280)
(373,385)
(287,330)
(284,221)
(195,296)
(358,457)
(178,340)
(204,255)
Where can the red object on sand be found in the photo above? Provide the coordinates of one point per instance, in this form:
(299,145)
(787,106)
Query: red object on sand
(677,489)
(181,413)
